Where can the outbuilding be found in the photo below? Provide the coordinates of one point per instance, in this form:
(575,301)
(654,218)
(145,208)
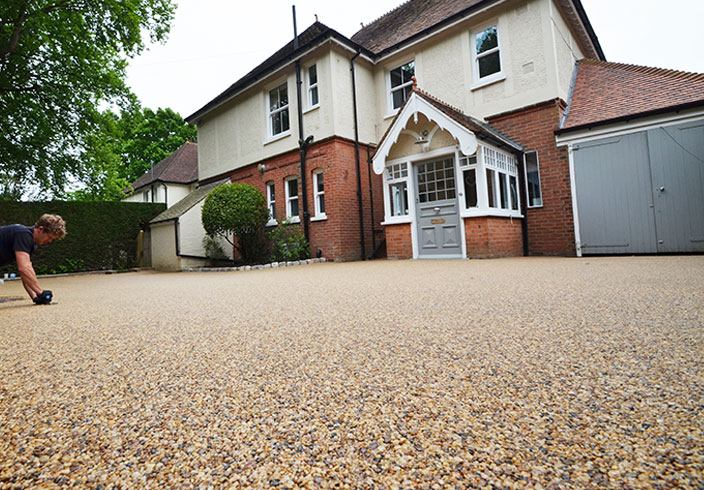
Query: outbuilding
(635,139)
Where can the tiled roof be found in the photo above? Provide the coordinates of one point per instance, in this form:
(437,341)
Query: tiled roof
(480,128)
(181,167)
(181,207)
(607,92)
(416,17)
(316,33)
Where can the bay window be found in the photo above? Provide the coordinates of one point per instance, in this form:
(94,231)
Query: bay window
(397,182)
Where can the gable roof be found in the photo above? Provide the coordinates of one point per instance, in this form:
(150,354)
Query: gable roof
(416,18)
(604,92)
(185,204)
(465,129)
(311,37)
(181,167)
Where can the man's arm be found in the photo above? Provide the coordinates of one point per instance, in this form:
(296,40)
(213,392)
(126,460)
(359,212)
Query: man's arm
(29,278)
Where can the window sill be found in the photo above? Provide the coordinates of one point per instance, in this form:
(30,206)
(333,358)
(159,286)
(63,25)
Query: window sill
(398,220)
(483,213)
(294,219)
(278,137)
(391,114)
(311,109)
(496,77)
(271,222)
(322,217)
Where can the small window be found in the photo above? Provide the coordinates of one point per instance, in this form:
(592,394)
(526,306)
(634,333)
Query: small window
(292,199)
(271,201)
(401,84)
(487,54)
(512,182)
(503,192)
(397,180)
(278,110)
(399,198)
(490,188)
(313,86)
(470,188)
(319,192)
(535,196)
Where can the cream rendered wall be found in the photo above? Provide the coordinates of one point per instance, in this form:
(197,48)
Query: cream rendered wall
(236,135)
(164,256)
(567,51)
(174,193)
(191,234)
(444,65)
(341,84)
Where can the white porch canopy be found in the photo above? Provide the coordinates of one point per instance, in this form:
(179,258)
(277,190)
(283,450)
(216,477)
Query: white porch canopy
(414,105)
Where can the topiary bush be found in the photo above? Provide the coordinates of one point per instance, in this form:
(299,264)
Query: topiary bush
(240,210)
(288,243)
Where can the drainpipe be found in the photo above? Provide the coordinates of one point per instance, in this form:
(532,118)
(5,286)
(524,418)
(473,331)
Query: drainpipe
(302,143)
(356,154)
(371,201)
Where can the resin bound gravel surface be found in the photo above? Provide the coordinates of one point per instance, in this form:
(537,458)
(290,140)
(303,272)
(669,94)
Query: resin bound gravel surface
(517,373)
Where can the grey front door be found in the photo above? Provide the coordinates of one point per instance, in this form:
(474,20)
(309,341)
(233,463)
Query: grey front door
(439,231)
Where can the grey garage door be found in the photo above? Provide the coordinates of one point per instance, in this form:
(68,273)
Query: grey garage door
(642,192)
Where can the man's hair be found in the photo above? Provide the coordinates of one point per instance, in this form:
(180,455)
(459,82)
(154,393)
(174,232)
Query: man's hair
(52,223)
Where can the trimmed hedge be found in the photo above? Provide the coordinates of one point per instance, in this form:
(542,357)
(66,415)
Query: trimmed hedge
(99,235)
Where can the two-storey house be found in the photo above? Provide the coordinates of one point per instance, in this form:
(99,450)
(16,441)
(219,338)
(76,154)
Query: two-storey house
(430,131)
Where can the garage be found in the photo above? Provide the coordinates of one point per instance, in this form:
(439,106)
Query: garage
(635,142)
(641,192)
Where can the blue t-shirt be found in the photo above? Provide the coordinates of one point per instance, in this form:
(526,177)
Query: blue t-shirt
(15,238)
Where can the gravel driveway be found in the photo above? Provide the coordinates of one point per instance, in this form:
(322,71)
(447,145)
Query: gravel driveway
(515,373)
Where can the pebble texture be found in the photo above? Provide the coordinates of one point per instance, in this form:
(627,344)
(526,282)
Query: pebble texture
(549,373)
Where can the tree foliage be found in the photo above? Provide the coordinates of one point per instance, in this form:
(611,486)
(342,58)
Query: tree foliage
(59,61)
(124,147)
(239,210)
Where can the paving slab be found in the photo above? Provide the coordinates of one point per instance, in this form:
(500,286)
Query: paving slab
(553,373)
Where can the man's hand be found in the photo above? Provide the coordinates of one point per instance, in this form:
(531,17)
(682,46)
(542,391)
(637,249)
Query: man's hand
(43,298)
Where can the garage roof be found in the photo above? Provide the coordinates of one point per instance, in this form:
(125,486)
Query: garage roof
(604,92)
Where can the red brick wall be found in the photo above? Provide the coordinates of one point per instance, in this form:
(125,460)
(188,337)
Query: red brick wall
(550,228)
(339,236)
(493,237)
(399,243)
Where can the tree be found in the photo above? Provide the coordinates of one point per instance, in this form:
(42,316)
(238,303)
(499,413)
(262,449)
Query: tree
(59,61)
(239,210)
(125,146)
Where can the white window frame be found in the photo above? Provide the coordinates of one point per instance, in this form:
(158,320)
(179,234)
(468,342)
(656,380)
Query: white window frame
(494,77)
(525,174)
(270,113)
(318,196)
(290,199)
(310,87)
(398,172)
(271,202)
(492,159)
(390,90)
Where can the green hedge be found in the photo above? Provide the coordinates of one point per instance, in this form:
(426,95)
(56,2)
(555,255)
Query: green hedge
(99,235)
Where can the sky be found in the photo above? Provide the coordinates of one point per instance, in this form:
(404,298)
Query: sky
(213,43)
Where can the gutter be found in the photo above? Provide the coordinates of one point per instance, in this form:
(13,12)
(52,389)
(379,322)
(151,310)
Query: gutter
(630,117)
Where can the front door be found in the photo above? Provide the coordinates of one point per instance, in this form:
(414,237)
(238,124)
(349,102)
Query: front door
(439,231)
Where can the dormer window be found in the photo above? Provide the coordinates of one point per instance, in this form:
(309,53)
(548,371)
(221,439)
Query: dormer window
(401,84)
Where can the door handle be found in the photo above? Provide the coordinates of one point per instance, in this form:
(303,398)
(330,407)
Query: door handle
(661,189)
(436,209)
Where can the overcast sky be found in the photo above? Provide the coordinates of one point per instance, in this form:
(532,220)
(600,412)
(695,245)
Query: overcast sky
(215,42)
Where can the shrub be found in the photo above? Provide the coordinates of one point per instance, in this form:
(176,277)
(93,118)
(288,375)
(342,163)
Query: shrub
(214,251)
(239,210)
(288,243)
